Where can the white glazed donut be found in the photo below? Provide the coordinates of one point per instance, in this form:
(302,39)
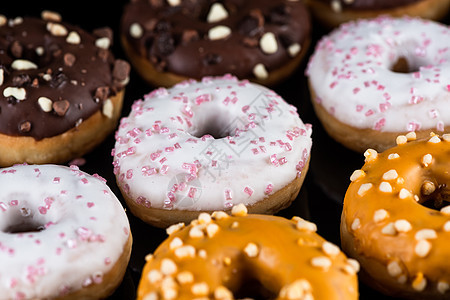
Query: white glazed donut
(205,146)
(63,234)
(361,95)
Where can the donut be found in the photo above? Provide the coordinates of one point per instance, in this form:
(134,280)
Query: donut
(64,236)
(372,80)
(207,145)
(171,41)
(220,257)
(332,13)
(396,218)
(61,90)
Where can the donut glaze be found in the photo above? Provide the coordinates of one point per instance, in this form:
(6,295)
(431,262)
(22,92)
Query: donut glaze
(53,75)
(194,39)
(217,257)
(205,146)
(61,231)
(396,218)
(353,79)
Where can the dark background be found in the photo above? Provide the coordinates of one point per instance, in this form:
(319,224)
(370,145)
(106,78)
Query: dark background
(320,199)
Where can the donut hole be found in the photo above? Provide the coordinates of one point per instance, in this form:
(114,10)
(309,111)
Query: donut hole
(434,196)
(23,223)
(214,121)
(405,65)
(252,288)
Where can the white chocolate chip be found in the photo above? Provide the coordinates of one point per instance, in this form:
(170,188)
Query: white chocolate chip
(419,283)
(251,250)
(446,210)
(149,257)
(103,43)
(354,264)
(185,277)
(404,194)
(73,38)
(174,228)
(56,29)
(3,20)
(380,215)
(168,266)
(196,232)
(434,139)
(222,293)
(200,289)
(356,224)
(425,234)
(151,296)
(154,276)
(18,93)
(447,226)
(393,156)
(212,229)
(402,225)
(389,229)
(45,104)
(48,15)
(40,51)
(364,188)
(411,136)
(219,215)
(394,269)
(330,249)
(15,21)
(422,248)
(427,159)
(370,155)
(294,49)
(108,108)
(304,225)
(299,289)
(239,210)
(446,137)
(217,13)
(47,77)
(23,64)
(136,30)
(385,187)
(187,251)
(322,262)
(357,174)
(336,6)
(442,287)
(390,175)
(219,32)
(2,77)
(174,2)
(260,71)
(401,140)
(268,43)
(169,293)
(175,243)
(204,218)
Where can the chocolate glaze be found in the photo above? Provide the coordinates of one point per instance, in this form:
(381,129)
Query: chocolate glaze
(67,74)
(175,38)
(372,4)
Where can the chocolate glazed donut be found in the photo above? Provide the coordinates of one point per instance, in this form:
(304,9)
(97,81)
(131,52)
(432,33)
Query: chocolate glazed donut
(331,13)
(169,41)
(54,78)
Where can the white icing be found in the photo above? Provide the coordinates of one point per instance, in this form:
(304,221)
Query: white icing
(350,72)
(160,144)
(85,231)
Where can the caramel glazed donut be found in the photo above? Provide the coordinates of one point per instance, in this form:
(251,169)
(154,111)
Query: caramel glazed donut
(220,256)
(331,13)
(206,146)
(64,236)
(372,80)
(171,41)
(61,90)
(396,218)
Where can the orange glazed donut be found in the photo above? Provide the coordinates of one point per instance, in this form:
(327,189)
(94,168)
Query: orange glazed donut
(218,256)
(396,218)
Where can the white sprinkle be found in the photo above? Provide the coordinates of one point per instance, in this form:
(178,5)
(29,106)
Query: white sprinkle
(393,156)
(389,229)
(212,229)
(294,49)
(103,43)
(394,269)
(419,282)
(304,225)
(217,13)
(3,20)
(354,264)
(174,2)
(356,224)
(364,188)
(390,175)
(223,293)
(185,277)
(185,251)
(151,296)
(370,155)
(322,262)
(357,174)
(23,64)
(18,93)
(45,104)
(411,136)
(40,51)
(168,267)
(154,276)
(447,226)
(380,215)
(268,43)
(336,6)
(200,289)
(1,76)
(260,71)
(239,210)
(174,228)
(196,232)
(330,249)
(434,139)
(175,243)
(219,32)
(108,109)
(385,187)
(47,77)
(427,159)
(56,29)
(402,225)
(446,137)
(442,287)
(48,15)
(401,140)
(251,250)
(425,234)
(422,248)
(15,21)
(73,38)
(446,210)
(204,218)
(404,193)
(219,215)
(136,30)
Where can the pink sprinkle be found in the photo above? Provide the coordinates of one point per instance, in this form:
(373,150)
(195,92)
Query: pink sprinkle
(269,189)
(263,149)
(413,126)
(129,174)
(154,156)
(416,75)
(440,126)
(245,108)
(369,113)
(162,160)
(172,135)
(356,90)
(248,191)
(213,163)
(164,169)
(228,195)
(433,113)
(187,111)
(255,151)
(282,161)
(274,161)
(56,180)
(14,202)
(359,107)
(107,261)
(90,204)
(448,87)
(192,192)
(3,206)
(202,98)
(333,84)
(384,106)
(148,171)
(42,210)
(85,181)
(58,251)
(380,124)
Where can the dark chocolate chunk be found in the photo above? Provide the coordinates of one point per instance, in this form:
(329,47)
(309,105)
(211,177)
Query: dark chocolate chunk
(104,32)
(279,15)
(103,54)
(101,93)
(58,80)
(25,126)
(163,26)
(250,42)
(164,43)
(121,70)
(189,35)
(21,80)
(61,107)
(252,24)
(212,59)
(150,25)
(69,59)
(16,49)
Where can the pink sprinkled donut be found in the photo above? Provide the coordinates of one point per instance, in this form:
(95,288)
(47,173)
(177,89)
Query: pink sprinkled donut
(373,80)
(206,146)
(63,234)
